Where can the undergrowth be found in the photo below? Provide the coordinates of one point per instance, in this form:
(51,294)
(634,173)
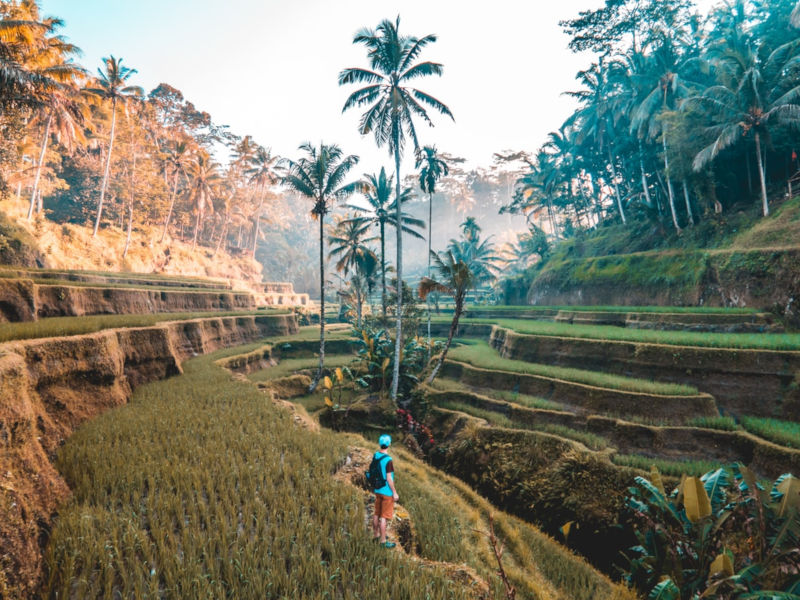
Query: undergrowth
(665,466)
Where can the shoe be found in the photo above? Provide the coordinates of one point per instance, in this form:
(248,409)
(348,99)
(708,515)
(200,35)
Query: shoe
(376,539)
(388,544)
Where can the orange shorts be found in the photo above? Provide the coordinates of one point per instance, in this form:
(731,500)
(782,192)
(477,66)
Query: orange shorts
(384,506)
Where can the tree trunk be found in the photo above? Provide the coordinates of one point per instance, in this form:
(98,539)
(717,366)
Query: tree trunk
(108,166)
(688,203)
(359,302)
(459,307)
(383,270)
(430,235)
(669,184)
(398,346)
(764,203)
(196,230)
(318,376)
(645,187)
(171,206)
(222,235)
(258,223)
(616,186)
(39,166)
(130,206)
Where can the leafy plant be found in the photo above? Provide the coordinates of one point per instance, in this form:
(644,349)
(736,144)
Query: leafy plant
(722,535)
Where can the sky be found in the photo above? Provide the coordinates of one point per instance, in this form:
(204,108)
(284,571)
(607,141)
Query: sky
(268,68)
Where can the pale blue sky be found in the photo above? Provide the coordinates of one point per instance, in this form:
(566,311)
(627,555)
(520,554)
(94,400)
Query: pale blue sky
(268,68)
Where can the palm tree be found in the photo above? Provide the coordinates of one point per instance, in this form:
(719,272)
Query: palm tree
(204,176)
(348,244)
(463,266)
(112,85)
(470,229)
(433,169)
(380,212)
(263,173)
(753,95)
(63,113)
(177,158)
(392,106)
(319,176)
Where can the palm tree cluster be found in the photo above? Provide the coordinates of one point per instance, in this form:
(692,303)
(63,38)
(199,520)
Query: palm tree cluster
(97,149)
(680,116)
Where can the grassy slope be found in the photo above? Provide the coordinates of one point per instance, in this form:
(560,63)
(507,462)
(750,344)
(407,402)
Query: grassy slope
(183,492)
(479,354)
(66,326)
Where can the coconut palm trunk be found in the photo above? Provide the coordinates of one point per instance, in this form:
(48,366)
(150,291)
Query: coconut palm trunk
(39,166)
(171,206)
(670,189)
(108,166)
(318,376)
(645,187)
(196,230)
(430,235)
(761,175)
(258,223)
(459,308)
(398,345)
(383,270)
(688,203)
(616,185)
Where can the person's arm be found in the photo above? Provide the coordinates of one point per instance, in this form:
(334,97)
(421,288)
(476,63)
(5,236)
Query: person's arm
(390,481)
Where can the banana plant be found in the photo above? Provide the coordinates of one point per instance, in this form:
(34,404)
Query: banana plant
(723,535)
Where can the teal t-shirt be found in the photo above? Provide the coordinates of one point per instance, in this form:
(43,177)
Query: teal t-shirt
(387,468)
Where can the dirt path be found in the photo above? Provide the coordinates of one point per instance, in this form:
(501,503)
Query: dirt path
(401,529)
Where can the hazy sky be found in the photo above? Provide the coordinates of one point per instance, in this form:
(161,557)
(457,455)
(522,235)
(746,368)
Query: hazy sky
(269,68)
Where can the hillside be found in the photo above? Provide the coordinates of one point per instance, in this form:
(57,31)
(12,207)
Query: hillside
(733,259)
(44,243)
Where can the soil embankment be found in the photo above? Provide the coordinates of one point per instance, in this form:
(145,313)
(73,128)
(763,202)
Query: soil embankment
(752,382)
(24,300)
(48,387)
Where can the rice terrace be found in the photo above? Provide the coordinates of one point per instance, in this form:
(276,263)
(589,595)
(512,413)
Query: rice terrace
(402,300)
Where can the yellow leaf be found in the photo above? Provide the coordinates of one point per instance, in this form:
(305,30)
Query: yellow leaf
(339,375)
(385,364)
(566,528)
(655,478)
(327,383)
(695,499)
(328,401)
(721,564)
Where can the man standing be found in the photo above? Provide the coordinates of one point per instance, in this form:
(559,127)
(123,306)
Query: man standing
(385,495)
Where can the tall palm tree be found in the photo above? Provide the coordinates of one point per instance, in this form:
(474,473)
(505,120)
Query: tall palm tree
(204,176)
(112,85)
(320,176)
(263,173)
(753,94)
(433,168)
(380,212)
(390,116)
(463,266)
(176,159)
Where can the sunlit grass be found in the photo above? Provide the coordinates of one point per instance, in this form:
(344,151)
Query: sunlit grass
(480,354)
(665,466)
(448,385)
(754,341)
(288,366)
(786,433)
(721,423)
(66,326)
(700,310)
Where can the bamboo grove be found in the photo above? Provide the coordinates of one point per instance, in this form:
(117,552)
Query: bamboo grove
(680,116)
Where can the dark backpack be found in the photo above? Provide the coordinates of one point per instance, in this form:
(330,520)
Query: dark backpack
(375,474)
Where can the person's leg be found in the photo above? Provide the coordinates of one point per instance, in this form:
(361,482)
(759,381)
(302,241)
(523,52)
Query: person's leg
(383,530)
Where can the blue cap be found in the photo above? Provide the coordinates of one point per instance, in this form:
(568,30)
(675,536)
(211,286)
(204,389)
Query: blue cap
(385,440)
